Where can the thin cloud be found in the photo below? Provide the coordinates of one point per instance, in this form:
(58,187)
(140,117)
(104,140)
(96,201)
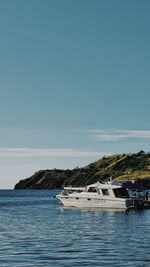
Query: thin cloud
(116,135)
(46,153)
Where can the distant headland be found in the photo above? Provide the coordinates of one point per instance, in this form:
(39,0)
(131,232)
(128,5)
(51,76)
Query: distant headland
(117,167)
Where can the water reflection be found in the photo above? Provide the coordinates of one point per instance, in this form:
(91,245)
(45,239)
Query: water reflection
(95,211)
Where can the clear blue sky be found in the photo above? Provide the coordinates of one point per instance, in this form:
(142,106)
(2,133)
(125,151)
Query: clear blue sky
(74,83)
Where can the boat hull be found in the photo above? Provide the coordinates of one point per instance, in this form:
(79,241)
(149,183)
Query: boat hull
(87,202)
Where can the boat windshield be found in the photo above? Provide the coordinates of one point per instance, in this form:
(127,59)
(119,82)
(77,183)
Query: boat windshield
(121,192)
(92,189)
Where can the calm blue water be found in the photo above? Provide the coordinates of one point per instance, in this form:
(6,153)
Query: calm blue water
(36,231)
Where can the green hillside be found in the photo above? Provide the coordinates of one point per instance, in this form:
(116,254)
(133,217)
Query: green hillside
(119,167)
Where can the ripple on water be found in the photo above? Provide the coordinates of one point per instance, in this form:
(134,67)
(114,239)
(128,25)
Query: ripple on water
(35,231)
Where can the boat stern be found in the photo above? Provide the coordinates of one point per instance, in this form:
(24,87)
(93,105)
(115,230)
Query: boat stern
(132,203)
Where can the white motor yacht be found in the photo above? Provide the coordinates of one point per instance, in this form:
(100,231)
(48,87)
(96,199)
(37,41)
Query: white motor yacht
(98,195)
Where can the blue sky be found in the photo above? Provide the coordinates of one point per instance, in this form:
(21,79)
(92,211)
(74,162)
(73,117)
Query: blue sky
(74,83)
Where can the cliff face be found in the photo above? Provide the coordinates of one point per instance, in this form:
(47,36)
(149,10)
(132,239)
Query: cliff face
(119,167)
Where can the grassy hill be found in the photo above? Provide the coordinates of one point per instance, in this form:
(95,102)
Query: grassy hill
(119,167)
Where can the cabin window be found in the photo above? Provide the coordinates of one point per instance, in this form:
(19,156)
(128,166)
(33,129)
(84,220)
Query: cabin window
(92,189)
(121,192)
(105,192)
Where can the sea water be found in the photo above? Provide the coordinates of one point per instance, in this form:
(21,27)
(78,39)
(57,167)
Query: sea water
(35,230)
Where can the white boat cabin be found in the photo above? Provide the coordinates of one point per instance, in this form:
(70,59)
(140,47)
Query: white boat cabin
(107,189)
